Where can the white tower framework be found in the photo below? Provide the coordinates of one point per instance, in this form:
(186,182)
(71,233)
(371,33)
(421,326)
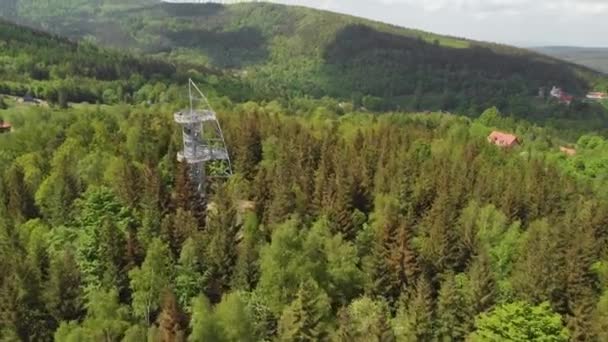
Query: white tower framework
(204,146)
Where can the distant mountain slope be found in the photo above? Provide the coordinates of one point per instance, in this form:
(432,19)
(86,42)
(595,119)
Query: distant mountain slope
(595,58)
(59,70)
(289,51)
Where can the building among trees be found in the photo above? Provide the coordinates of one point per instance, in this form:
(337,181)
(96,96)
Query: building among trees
(5,127)
(503,139)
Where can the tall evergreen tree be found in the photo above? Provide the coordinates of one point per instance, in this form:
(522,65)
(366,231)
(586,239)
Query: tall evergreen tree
(454,310)
(63,292)
(171,321)
(414,319)
(305,319)
(149,280)
(482,284)
(222,242)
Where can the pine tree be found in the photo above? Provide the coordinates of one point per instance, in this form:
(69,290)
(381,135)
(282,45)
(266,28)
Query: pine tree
(580,281)
(171,321)
(187,197)
(203,325)
(249,147)
(392,265)
(190,278)
(222,241)
(345,332)
(32,321)
(534,277)
(20,202)
(305,319)
(63,293)
(454,310)
(112,259)
(414,319)
(247,268)
(482,284)
(149,280)
(438,241)
(177,228)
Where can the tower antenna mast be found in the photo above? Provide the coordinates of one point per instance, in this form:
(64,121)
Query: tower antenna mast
(205,149)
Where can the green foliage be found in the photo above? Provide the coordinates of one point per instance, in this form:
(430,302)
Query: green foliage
(305,318)
(149,280)
(106,319)
(520,322)
(353,227)
(277,52)
(365,320)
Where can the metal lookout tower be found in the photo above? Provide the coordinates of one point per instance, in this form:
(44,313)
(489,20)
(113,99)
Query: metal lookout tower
(204,146)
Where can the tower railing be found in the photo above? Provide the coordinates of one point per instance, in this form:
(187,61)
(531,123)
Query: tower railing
(203,139)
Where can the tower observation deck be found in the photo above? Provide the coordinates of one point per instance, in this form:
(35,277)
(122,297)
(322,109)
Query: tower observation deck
(205,149)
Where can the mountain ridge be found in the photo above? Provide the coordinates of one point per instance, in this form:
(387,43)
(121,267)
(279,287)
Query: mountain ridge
(285,52)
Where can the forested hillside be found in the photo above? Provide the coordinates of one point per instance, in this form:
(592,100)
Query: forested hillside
(365,228)
(595,58)
(60,71)
(287,51)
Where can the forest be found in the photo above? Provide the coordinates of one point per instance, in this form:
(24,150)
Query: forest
(294,52)
(61,71)
(346,218)
(364,228)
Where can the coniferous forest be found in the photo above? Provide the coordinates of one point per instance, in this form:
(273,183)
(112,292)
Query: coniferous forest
(352,228)
(340,223)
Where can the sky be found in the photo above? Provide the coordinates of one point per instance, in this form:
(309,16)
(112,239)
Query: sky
(518,22)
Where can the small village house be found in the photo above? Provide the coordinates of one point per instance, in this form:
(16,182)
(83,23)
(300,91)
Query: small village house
(568,151)
(561,96)
(503,139)
(597,96)
(5,127)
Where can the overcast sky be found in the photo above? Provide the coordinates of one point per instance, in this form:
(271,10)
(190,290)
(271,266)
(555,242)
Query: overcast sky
(518,22)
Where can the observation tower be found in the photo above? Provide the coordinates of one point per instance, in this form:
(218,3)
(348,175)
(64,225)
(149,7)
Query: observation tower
(205,149)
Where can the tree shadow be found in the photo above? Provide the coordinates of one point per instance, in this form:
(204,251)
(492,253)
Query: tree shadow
(192,10)
(226,49)
(364,60)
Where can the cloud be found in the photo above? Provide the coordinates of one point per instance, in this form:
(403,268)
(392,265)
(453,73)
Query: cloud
(508,6)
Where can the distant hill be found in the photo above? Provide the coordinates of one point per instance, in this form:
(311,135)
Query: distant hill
(288,52)
(59,70)
(595,58)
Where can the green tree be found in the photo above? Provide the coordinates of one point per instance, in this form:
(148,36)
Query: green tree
(149,280)
(64,295)
(414,319)
(203,324)
(520,321)
(482,285)
(107,320)
(366,320)
(190,276)
(234,320)
(222,232)
(454,309)
(171,321)
(306,318)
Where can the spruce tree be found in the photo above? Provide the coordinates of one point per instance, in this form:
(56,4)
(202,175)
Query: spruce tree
(482,285)
(222,241)
(414,319)
(171,321)
(305,319)
(63,292)
(454,310)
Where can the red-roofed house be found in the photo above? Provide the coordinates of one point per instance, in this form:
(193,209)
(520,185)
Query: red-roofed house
(561,96)
(566,99)
(503,139)
(568,151)
(5,127)
(598,96)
